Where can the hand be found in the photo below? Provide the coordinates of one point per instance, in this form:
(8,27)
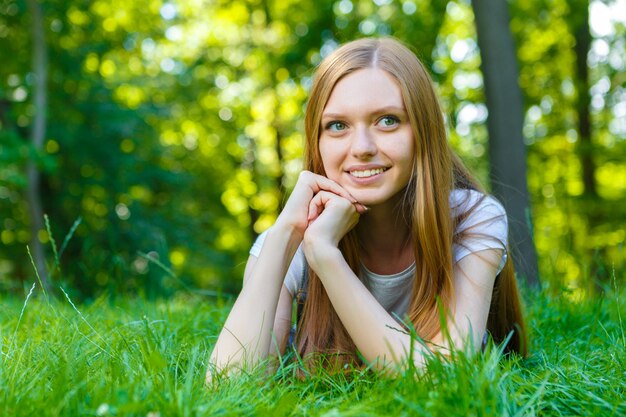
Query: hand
(295,214)
(330,218)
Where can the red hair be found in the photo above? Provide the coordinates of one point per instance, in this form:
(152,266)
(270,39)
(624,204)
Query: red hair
(437,171)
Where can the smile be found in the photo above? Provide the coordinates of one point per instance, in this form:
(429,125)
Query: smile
(367,172)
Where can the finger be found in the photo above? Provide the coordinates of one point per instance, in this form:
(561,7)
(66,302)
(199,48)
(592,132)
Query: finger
(321,201)
(318,202)
(314,211)
(319,183)
(332,186)
(360,208)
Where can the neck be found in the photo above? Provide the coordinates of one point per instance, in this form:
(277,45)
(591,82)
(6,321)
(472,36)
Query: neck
(385,238)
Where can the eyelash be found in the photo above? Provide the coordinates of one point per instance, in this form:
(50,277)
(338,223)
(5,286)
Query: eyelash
(394,118)
(330,125)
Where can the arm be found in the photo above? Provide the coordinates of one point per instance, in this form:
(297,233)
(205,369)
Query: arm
(247,334)
(262,309)
(372,329)
(282,322)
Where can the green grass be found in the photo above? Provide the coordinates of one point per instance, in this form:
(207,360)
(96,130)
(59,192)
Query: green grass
(131,357)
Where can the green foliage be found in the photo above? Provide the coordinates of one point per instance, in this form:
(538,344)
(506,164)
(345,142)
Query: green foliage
(175,129)
(134,357)
(576,234)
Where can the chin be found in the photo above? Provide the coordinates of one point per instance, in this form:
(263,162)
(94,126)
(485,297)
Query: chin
(369,197)
(375,197)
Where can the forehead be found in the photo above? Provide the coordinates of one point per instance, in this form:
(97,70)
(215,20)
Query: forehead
(364,89)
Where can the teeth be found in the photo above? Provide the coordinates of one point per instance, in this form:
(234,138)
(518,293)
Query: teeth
(367,173)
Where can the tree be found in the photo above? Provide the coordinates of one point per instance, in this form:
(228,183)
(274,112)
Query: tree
(507,151)
(174,128)
(579,26)
(38,134)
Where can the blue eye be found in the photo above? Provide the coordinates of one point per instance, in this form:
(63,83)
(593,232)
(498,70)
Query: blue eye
(336,126)
(388,121)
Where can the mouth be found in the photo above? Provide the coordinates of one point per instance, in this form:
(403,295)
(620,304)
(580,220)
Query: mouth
(366,173)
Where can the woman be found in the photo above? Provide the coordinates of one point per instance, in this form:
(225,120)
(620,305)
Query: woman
(383,231)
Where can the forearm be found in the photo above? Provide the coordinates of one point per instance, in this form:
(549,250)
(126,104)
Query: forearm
(375,332)
(247,334)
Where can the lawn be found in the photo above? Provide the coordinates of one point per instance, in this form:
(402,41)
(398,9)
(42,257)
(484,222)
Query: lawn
(133,357)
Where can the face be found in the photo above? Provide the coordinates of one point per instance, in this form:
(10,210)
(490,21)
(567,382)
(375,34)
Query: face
(366,141)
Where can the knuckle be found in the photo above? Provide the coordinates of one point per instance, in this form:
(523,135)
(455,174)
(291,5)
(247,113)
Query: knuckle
(346,204)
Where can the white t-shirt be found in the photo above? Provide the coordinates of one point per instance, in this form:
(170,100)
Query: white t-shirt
(489,229)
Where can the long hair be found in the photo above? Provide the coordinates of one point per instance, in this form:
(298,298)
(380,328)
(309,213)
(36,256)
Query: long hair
(437,171)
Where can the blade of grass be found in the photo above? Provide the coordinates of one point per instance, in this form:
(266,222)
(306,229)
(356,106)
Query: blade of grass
(19,320)
(32,261)
(86,322)
(619,314)
(173,275)
(69,235)
(53,243)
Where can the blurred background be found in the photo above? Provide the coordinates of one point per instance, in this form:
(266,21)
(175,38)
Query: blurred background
(173,130)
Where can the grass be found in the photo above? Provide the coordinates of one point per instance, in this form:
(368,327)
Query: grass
(131,357)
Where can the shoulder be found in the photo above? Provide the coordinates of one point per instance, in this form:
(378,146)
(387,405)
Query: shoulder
(481,223)
(465,201)
(474,209)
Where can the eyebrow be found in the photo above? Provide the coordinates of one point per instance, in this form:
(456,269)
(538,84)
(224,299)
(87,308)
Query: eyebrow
(382,110)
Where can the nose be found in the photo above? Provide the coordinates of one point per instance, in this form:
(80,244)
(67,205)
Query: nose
(363,144)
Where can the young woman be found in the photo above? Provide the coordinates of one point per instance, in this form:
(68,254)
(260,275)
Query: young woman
(384,231)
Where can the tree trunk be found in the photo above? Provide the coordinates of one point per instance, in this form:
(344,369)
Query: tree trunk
(38,133)
(579,25)
(578,21)
(507,151)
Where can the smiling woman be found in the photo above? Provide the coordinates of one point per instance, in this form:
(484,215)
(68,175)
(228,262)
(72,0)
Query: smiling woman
(366,140)
(383,226)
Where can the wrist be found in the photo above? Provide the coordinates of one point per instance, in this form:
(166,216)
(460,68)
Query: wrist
(320,254)
(285,233)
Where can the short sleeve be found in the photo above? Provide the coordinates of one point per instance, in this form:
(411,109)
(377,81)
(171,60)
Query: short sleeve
(295,274)
(483,226)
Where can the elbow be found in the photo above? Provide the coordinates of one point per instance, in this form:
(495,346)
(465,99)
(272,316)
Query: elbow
(218,370)
(214,369)
(404,357)
(395,358)
(220,366)
(398,367)
(208,377)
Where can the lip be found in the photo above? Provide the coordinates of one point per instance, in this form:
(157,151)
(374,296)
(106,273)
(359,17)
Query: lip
(365,180)
(365,167)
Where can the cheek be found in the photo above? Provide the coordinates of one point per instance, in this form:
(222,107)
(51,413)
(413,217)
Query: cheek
(406,158)
(329,159)
(410,149)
